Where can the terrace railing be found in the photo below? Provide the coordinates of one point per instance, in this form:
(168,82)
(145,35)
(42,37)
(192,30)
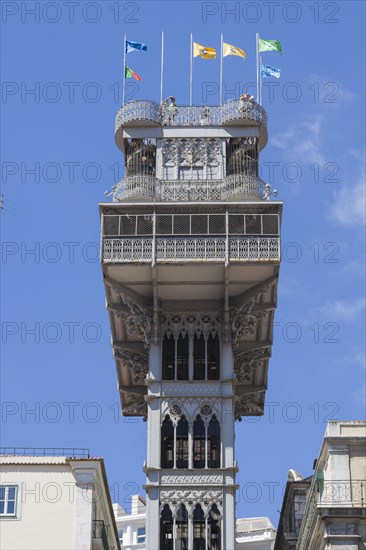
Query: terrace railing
(183,115)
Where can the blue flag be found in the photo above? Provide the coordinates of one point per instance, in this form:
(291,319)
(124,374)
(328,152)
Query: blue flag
(133,46)
(267,70)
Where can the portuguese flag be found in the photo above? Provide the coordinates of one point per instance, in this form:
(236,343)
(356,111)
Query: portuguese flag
(129,73)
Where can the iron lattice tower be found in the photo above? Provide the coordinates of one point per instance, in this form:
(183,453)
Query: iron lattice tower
(190,256)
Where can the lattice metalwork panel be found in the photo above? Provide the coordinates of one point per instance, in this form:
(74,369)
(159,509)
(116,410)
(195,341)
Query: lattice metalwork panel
(183,115)
(234,186)
(254,249)
(138,110)
(190,224)
(190,249)
(127,250)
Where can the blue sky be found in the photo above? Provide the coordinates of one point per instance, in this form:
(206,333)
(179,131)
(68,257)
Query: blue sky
(64,132)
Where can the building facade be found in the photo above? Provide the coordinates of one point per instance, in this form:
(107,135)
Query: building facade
(55,502)
(292,511)
(190,257)
(334,516)
(251,533)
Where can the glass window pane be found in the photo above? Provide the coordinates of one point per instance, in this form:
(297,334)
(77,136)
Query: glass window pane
(182,358)
(199,358)
(11,507)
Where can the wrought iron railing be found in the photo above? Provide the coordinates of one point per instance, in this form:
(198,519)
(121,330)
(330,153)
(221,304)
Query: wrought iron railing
(342,493)
(100,532)
(330,494)
(190,249)
(183,115)
(45,451)
(149,187)
(140,186)
(139,109)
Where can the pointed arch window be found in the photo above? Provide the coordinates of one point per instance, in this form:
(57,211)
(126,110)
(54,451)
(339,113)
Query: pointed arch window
(182,443)
(199,357)
(167,443)
(182,357)
(206,357)
(181,522)
(213,357)
(166,529)
(199,443)
(214,528)
(175,354)
(199,529)
(168,357)
(213,443)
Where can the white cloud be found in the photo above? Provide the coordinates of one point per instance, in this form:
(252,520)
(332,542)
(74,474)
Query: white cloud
(344,310)
(355,268)
(302,142)
(348,204)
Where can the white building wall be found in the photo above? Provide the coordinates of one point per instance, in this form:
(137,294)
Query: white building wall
(46,515)
(58,499)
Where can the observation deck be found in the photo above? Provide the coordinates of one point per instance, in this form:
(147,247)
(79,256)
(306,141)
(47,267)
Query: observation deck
(232,115)
(191,231)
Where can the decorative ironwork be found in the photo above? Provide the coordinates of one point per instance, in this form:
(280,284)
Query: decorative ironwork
(191,249)
(342,493)
(188,157)
(232,187)
(141,225)
(137,187)
(236,109)
(246,364)
(139,109)
(337,494)
(192,323)
(247,405)
(149,111)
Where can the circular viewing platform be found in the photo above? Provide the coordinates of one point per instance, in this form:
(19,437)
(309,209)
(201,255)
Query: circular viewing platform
(235,112)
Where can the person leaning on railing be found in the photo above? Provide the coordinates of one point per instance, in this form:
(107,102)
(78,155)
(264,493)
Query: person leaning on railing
(171,108)
(245,101)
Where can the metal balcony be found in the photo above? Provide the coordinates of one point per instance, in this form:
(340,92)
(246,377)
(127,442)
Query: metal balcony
(145,187)
(185,237)
(144,112)
(191,250)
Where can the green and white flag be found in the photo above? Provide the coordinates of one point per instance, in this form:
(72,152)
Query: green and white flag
(269,45)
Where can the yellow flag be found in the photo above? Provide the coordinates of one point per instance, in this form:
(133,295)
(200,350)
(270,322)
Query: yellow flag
(233,50)
(202,51)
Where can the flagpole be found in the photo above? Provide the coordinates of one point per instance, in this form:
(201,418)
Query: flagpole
(257,63)
(260,81)
(162,67)
(124,71)
(191,72)
(221,63)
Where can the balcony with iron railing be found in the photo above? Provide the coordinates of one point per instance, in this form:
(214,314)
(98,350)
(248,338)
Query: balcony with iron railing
(149,113)
(329,494)
(149,188)
(164,238)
